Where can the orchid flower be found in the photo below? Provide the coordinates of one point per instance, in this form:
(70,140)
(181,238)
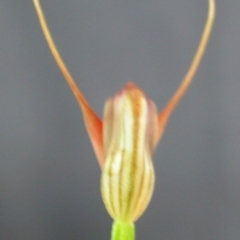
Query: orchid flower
(124,141)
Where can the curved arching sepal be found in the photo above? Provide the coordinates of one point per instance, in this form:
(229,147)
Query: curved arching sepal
(92,122)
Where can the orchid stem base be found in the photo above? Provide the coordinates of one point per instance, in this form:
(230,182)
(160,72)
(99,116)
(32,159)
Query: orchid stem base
(123,231)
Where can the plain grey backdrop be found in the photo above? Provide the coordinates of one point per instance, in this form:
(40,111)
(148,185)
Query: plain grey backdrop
(49,176)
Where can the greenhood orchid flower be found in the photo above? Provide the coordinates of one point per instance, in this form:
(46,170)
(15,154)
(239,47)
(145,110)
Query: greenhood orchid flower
(124,141)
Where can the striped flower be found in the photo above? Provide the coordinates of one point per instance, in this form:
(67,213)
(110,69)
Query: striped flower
(130,130)
(127,136)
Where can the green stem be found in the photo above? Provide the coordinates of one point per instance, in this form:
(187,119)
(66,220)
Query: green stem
(123,231)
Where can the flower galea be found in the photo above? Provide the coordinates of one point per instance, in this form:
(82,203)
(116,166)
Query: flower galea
(130,129)
(124,141)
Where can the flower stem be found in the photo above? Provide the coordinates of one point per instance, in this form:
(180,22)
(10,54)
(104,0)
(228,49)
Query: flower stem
(123,231)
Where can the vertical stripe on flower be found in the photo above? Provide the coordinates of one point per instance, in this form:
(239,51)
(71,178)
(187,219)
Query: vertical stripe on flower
(130,133)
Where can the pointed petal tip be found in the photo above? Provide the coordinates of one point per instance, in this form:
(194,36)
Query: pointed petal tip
(130,84)
(130,87)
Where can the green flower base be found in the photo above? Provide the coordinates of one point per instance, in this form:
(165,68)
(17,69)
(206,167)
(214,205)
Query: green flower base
(123,231)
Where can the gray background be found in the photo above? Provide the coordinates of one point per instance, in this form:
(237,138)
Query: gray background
(49,177)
